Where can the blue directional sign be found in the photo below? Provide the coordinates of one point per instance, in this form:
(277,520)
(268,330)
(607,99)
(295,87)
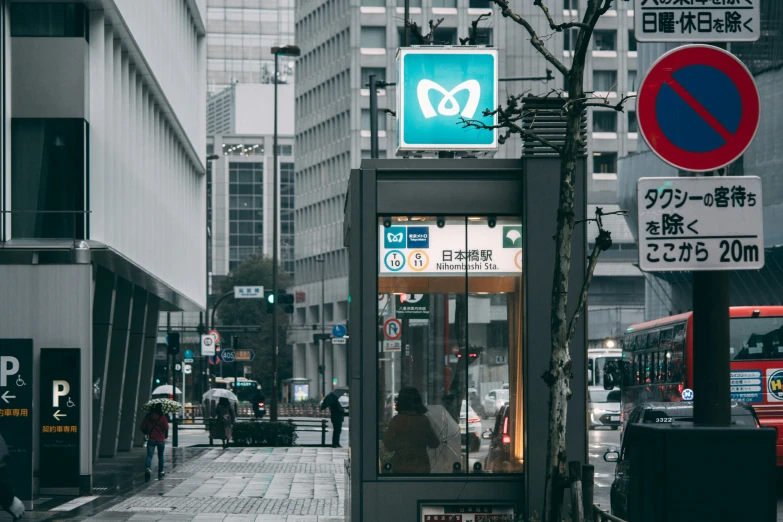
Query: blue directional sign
(227,355)
(339,331)
(438,89)
(188,354)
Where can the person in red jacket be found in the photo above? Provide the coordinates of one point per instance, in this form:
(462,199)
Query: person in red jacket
(156,427)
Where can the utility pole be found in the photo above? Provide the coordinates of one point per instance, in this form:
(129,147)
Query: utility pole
(407,21)
(288,50)
(373,118)
(323,329)
(235,346)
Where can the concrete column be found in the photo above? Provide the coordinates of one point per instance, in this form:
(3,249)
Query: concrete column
(130,392)
(102,316)
(115,378)
(148,355)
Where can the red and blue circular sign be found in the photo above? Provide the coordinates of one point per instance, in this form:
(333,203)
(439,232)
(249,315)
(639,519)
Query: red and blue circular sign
(698,108)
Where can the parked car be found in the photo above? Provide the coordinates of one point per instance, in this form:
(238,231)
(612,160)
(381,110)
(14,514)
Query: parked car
(661,413)
(499,459)
(470,427)
(603,408)
(344,402)
(493,401)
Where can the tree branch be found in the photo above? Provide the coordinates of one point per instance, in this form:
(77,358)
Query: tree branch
(512,127)
(552,24)
(602,243)
(506,11)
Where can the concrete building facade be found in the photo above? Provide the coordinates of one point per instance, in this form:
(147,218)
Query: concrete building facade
(343,42)
(103,176)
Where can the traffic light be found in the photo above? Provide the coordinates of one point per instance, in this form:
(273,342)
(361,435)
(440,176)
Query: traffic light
(270,302)
(287,300)
(172,340)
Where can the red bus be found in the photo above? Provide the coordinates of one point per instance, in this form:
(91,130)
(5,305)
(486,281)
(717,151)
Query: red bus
(656,362)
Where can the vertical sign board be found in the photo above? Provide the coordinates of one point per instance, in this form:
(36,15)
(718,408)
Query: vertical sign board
(697,20)
(437,88)
(60,384)
(709,223)
(16,411)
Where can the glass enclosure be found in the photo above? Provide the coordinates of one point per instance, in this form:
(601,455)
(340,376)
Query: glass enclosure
(449,344)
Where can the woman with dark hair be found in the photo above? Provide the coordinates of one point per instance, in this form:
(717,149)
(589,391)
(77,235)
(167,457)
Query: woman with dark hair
(410,434)
(224,420)
(156,427)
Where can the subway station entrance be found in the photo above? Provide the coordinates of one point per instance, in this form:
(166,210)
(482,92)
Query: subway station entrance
(450,277)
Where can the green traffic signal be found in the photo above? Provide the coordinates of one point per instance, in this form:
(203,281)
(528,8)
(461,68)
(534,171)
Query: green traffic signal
(270,298)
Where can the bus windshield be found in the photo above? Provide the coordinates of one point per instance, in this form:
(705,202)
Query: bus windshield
(600,363)
(756,338)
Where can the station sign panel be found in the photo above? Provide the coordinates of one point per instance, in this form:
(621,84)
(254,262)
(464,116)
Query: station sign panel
(60,398)
(446,251)
(697,20)
(437,89)
(704,223)
(16,411)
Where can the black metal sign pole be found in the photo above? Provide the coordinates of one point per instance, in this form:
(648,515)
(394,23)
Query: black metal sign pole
(711,358)
(711,364)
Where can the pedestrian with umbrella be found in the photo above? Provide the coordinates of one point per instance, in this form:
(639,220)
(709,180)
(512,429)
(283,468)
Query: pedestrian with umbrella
(225,419)
(155,426)
(336,411)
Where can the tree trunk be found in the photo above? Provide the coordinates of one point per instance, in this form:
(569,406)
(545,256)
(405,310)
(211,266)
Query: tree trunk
(558,378)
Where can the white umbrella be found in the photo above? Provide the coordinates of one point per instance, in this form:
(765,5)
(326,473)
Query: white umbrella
(449,451)
(165,390)
(218,393)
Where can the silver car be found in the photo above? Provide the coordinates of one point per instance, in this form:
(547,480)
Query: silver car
(603,409)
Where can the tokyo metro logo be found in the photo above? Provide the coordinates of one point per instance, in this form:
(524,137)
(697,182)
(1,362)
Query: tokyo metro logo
(440,89)
(474,94)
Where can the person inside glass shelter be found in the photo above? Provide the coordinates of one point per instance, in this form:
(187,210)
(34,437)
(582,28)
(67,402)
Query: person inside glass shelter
(410,434)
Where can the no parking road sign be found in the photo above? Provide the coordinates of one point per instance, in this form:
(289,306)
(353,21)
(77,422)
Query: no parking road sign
(698,108)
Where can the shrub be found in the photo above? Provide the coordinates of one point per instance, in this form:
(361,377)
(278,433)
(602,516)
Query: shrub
(280,434)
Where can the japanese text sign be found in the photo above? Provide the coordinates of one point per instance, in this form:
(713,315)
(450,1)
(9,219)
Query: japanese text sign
(452,249)
(16,410)
(438,88)
(705,223)
(697,20)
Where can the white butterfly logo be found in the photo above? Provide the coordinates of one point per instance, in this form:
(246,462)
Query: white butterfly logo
(394,238)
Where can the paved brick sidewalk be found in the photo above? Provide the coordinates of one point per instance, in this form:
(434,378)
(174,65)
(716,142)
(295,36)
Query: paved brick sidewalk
(250,484)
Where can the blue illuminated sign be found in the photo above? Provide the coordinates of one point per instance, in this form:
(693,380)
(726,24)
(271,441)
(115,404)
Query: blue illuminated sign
(418,237)
(438,89)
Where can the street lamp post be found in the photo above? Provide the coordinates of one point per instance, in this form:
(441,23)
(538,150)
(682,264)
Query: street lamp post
(322,260)
(210,158)
(287,50)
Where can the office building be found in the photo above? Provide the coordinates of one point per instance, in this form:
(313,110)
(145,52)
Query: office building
(342,44)
(103,176)
(240,36)
(241,133)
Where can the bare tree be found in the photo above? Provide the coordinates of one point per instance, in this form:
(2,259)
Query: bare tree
(511,120)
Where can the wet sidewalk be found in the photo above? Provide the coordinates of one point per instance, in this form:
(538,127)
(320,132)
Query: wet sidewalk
(243,484)
(300,484)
